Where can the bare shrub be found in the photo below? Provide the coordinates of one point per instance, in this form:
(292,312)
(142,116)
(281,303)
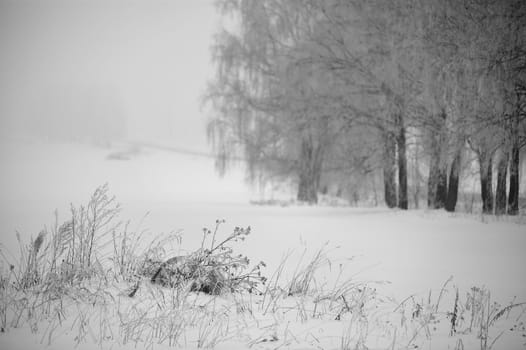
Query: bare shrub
(212,269)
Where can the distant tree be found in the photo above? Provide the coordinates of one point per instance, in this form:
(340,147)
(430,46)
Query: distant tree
(371,47)
(296,80)
(479,46)
(272,103)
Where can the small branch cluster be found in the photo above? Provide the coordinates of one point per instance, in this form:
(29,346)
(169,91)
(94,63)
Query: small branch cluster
(212,269)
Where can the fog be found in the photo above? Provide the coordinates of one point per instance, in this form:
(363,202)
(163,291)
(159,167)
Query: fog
(104,70)
(84,87)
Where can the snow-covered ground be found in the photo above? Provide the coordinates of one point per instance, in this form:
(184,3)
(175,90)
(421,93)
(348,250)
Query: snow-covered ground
(411,252)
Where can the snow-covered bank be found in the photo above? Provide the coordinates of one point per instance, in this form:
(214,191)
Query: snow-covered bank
(415,251)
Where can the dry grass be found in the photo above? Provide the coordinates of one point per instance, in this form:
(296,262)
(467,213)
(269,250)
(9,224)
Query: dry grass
(94,276)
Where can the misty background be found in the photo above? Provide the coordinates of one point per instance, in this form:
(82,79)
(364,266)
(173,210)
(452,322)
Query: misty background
(97,70)
(95,92)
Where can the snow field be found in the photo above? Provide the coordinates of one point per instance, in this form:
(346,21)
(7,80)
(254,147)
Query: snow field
(384,257)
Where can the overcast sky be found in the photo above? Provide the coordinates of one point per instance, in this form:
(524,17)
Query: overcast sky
(145,62)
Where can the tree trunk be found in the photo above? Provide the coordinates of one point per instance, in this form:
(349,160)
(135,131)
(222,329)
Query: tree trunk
(432,182)
(441,196)
(402,164)
(513,196)
(306,190)
(416,178)
(389,163)
(500,195)
(452,194)
(436,184)
(309,172)
(437,180)
(486,179)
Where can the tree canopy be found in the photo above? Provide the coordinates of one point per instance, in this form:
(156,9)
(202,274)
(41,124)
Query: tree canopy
(324,92)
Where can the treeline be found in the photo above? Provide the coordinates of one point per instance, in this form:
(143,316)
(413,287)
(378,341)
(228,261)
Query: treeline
(336,94)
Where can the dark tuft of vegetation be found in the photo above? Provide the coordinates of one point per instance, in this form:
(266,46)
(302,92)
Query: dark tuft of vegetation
(213,269)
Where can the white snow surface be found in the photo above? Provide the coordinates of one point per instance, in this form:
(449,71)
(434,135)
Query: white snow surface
(410,252)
